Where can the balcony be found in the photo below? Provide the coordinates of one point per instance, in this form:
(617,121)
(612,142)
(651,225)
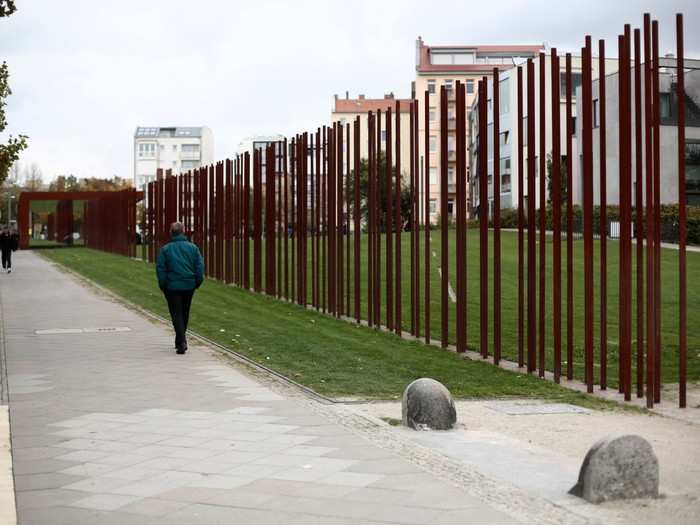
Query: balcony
(451,155)
(190,155)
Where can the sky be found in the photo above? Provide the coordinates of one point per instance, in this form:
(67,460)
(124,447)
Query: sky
(86,73)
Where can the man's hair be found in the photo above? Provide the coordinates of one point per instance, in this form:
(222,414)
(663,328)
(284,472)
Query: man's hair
(177,228)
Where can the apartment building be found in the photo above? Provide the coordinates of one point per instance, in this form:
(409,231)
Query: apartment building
(346,110)
(508,126)
(668,133)
(175,148)
(438,66)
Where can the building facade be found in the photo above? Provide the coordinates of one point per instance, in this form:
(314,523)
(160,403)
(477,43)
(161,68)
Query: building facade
(170,148)
(668,133)
(508,129)
(346,110)
(438,66)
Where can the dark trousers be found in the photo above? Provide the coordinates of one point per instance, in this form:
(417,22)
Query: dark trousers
(7,259)
(179,302)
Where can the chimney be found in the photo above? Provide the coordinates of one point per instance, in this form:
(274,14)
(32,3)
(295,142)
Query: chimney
(347,95)
(361,97)
(335,97)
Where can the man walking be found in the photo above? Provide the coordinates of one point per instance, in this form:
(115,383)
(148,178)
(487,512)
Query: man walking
(180,271)
(8,244)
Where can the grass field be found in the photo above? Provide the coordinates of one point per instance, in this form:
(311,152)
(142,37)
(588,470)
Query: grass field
(332,357)
(509,304)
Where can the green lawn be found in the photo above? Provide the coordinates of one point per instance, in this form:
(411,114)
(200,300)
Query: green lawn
(332,357)
(509,304)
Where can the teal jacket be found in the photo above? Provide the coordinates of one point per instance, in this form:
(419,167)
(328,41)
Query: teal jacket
(180,265)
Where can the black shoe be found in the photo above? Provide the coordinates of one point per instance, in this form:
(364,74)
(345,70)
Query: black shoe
(181,349)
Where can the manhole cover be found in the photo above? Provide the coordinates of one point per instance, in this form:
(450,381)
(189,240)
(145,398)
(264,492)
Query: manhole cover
(527,409)
(101,329)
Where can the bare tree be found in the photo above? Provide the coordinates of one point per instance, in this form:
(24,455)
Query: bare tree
(33,177)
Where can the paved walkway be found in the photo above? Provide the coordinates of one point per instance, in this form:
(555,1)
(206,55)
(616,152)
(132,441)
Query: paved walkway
(109,425)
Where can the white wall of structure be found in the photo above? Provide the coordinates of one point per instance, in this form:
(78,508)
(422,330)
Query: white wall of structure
(668,147)
(175,148)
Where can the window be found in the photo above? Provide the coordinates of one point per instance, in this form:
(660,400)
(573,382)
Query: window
(664,105)
(433,175)
(450,175)
(189,165)
(174,147)
(162,147)
(505,182)
(450,207)
(524,132)
(448,84)
(596,113)
(433,205)
(470,87)
(573,126)
(443,58)
(576,82)
(147,150)
(504,96)
(432,114)
(692,172)
(505,138)
(431,87)
(433,144)
(190,148)
(383,135)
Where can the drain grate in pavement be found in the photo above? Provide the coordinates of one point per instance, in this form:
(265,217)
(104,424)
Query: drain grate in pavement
(529,409)
(98,330)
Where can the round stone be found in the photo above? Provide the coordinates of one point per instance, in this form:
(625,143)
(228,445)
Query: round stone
(427,404)
(622,467)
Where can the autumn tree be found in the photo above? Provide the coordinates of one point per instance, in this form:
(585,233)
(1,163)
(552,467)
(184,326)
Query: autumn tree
(9,152)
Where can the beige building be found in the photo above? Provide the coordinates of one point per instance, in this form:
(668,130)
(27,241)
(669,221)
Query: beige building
(438,66)
(346,110)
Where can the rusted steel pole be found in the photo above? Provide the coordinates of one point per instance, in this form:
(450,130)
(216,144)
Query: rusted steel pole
(657,207)
(257,221)
(324,215)
(370,218)
(357,216)
(426,218)
(625,274)
(281,233)
(346,190)
(650,224)
(556,211)
(246,221)
(531,246)
(415,217)
(211,252)
(293,217)
(521,259)
(543,212)
(412,188)
(377,223)
(340,244)
(569,226)
(388,224)
(398,320)
(313,167)
(496,218)
(317,220)
(285,212)
(461,230)
(444,253)
(332,224)
(603,226)
(639,210)
(587,139)
(220,221)
(229,220)
(682,276)
(483,219)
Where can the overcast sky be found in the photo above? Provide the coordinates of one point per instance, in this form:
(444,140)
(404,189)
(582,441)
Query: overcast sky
(85,73)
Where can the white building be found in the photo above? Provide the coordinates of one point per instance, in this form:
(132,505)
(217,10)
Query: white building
(508,128)
(175,148)
(260,143)
(668,132)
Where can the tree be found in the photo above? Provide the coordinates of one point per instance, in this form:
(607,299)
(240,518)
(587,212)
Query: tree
(562,177)
(364,192)
(9,152)
(33,178)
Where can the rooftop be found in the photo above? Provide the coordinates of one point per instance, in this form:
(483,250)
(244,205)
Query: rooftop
(363,105)
(173,131)
(470,58)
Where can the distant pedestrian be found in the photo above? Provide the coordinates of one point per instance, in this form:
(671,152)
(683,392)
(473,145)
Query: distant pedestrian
(180,270)
(9,241)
